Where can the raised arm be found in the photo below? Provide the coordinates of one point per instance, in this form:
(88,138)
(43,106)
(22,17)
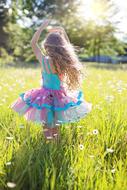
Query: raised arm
(34,42)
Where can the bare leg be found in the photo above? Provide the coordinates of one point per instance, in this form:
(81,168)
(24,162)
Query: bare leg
(56,134)
(51,133)
(47,132)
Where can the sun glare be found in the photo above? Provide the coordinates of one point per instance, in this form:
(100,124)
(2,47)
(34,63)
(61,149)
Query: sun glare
(92,10)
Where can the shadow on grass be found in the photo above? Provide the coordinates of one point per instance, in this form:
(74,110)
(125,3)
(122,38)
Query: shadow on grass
(38,164)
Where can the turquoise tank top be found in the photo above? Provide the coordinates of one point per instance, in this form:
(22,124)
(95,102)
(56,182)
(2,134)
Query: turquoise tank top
(50,80)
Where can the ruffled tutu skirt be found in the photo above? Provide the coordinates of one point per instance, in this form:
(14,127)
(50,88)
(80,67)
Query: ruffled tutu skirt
(51,107)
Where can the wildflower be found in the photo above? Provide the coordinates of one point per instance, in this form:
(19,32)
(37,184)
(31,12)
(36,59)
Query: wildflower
(98,107)
(113,170)
(9,138)
(21,126)
(8,163)
(110,150)
(95,132)
(49,137)
(81,146)
(109,99)
(11,184)
(79,126)
(119,90)
(91,156)
(119,83)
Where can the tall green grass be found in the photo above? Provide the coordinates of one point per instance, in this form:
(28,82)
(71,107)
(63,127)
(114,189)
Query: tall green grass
(91,154)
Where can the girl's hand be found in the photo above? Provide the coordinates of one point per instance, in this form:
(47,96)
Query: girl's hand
(45,23)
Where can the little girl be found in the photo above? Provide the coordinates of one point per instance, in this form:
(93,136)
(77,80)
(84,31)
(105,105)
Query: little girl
(52,104)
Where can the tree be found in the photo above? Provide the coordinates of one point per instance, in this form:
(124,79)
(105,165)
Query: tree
(19,44)
(3,22)
(97,36)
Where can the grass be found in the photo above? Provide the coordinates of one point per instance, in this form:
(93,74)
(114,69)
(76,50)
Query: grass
(91,154)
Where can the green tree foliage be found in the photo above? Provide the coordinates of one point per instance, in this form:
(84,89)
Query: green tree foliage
(97,37)
(4,35)
(3,22)
(92,38)
(19,36)
(54,8)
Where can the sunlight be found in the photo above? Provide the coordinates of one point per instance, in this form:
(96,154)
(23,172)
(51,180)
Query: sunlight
(92,10)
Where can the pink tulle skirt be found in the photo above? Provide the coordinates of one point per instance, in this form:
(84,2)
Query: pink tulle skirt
(51,107)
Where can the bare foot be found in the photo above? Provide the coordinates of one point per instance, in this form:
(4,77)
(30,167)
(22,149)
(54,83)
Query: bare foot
(54,130)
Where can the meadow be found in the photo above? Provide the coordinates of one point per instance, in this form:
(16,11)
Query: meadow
(91,154)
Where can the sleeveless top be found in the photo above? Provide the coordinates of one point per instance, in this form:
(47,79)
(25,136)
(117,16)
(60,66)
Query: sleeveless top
(50,80)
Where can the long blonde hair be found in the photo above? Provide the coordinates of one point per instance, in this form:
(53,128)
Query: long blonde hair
(64,58)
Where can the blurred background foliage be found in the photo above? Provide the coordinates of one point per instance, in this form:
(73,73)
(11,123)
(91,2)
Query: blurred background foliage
(19,19)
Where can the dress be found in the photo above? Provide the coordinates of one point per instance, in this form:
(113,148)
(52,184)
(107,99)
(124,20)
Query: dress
(51,104)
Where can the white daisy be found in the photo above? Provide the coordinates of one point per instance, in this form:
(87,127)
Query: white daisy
(91,156)
(81,146)
(9,138)
(109,98)
(79,126)
(119,90)
(11,184)
(8,163)
(113,170)
(110,150)
(95,132)
(21,126)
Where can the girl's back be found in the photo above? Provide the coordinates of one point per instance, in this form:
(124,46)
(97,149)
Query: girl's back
(51,80)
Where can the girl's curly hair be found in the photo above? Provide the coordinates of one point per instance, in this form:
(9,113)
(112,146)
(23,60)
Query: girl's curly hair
(64,58)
